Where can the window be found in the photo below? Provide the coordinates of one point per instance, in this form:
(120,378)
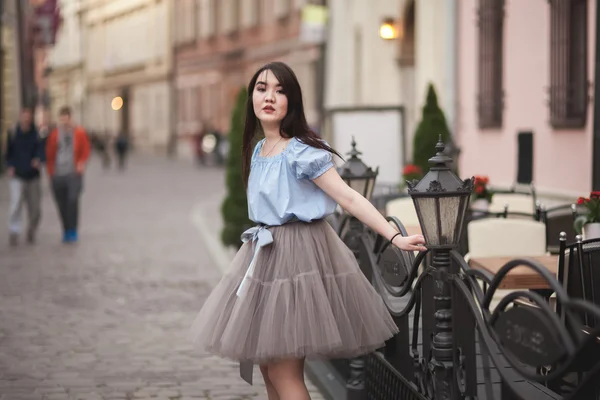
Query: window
(407,41)
(159,114)
(259,9)
(490,96)
(216,25)
(190,20)
(180,106)
(200,112)
(230,15)
(568,63)
(251,11)
(236,14)
(215,102)
(190,104)
(185,21)
(282,8)
(207,21)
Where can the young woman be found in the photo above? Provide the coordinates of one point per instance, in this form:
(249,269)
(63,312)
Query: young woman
(294,290)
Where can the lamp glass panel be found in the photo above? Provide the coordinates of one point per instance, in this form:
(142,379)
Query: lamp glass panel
(450,210)
(427,211)
(359,184)
(370,187)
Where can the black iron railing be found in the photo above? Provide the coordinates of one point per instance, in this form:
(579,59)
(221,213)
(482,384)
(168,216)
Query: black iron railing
(454,345)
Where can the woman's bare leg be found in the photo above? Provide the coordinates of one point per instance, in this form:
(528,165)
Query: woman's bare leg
(271,392)
(287,376)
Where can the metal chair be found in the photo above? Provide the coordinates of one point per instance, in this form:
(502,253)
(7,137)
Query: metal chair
(519,199)
(558,219)
(404,209)
(579,273)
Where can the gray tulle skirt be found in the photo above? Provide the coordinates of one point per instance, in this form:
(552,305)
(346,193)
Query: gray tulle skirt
(307,298)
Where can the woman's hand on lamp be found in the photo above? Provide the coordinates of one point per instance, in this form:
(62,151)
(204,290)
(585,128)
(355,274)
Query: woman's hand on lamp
(410,243)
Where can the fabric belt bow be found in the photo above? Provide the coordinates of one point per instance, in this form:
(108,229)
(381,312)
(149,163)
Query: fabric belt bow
(261,236)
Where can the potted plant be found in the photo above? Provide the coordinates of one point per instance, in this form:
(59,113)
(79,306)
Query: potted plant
(432,125)
(589,222)
(482,195)
(411,171)
(234,208)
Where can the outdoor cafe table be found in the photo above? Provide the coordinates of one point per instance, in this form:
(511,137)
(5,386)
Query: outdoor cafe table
(519,277)
(413,230)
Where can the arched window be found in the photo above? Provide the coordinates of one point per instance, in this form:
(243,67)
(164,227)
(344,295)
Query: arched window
(407,36)
(491,94)
(568,90)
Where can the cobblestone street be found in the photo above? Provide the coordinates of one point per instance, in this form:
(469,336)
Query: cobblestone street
(108,317)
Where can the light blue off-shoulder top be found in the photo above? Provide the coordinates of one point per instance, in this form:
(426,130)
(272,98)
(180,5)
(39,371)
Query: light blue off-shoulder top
(280,188)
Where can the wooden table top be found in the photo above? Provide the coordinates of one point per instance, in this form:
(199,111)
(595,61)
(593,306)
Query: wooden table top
(413,230)
(519,277)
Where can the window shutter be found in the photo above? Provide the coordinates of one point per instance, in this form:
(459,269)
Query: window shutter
(568,90)
(491,94)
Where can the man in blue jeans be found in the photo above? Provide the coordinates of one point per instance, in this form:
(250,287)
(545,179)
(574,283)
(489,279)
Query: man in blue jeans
(67,152)
(23,154)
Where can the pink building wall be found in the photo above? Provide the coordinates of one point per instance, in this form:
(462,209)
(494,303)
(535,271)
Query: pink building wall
(562,158)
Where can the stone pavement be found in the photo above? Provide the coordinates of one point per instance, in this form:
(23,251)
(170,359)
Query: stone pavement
(108,318)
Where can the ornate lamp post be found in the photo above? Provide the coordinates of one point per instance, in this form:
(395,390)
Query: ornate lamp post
(357,175)
(441,201)
(361,178)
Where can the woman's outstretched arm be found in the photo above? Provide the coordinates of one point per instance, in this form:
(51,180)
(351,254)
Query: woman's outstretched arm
(354,203)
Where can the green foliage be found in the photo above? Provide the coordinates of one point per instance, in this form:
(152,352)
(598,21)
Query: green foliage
(432,125)
(235,206)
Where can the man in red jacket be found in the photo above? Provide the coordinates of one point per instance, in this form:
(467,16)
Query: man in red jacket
(67,152)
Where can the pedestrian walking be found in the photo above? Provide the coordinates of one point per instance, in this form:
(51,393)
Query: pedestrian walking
(67,152)
(23,154)
(122,148)
(99,143)
(294,290)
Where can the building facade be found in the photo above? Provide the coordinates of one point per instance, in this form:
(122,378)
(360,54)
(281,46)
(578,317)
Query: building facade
(366,86)
(66,80)
(128,69)
(525,92)
(219,44)
(434,39)
(377,80)
(10,88)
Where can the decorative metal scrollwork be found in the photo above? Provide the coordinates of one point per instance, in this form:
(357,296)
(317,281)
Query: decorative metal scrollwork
(467,185)
(435,187)
(522,329)
(460,372)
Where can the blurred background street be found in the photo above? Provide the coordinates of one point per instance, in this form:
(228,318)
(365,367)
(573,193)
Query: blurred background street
(509,86)
(109,317)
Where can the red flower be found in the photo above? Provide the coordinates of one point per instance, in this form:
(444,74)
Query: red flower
(582,200)
(411,169)
(481,180)
(595,195)
(479,189)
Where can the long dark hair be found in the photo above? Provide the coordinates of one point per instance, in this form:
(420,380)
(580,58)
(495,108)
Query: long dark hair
(293,124)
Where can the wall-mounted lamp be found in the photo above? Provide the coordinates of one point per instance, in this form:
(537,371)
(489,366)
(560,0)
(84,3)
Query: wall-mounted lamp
(388,29)
(116,103)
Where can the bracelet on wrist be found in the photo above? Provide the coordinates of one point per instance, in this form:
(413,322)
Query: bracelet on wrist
(394,237)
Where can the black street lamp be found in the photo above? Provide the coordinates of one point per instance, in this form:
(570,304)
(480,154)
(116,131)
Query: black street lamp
(361,178)
(441,201)
(357,175)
